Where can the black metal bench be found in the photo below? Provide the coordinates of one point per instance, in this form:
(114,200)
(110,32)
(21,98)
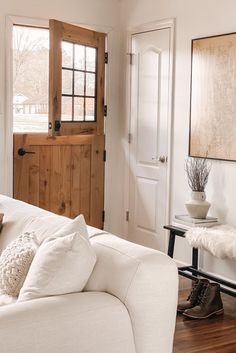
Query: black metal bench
(192,271)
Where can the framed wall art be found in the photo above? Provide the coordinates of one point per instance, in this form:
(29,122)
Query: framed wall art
(213,98)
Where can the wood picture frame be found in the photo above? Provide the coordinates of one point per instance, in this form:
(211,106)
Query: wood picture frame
(212,127)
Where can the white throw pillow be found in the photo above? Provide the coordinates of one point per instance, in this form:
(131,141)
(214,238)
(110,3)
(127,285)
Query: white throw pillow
(61,265)
(46,226)
(75,225)
(15,262)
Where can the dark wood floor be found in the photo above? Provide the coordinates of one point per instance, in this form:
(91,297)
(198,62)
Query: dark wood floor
(213,335)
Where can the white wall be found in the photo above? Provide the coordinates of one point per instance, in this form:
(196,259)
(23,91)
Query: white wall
(193,19)
(102,15)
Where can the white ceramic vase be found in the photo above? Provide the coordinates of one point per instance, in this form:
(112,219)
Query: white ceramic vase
(198,207)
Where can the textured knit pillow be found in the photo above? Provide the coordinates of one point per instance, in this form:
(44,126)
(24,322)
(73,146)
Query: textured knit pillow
(15,262)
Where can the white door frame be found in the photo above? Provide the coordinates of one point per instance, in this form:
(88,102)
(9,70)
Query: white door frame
(10,21)
(169,23)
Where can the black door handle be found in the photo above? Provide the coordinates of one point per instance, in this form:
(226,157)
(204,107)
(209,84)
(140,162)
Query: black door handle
(22,152)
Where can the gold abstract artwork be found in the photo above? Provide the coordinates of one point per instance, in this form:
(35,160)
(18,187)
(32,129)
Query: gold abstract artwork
(213,98)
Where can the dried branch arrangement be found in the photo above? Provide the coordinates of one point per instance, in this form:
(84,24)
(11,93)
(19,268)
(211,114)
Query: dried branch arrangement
(198,170)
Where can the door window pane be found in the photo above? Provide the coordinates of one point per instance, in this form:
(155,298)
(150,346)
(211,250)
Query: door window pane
(90,84)
(66,109)
(79,83)
(30,79)
(78,109)
(67,55)
(67,80)
(90,109)
(79,57)
(91,59)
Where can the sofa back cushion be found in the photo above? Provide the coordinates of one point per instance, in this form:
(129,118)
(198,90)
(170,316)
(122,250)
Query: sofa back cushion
(20,217)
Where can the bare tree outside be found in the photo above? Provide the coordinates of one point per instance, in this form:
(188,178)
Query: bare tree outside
(30,79)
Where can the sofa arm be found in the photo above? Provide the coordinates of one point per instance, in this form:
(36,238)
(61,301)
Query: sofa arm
(146,281)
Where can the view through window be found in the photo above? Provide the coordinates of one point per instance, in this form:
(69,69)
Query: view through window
(30,79)
(79,66)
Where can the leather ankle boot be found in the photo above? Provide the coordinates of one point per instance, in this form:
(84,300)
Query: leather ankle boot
(209,304)
(193,296)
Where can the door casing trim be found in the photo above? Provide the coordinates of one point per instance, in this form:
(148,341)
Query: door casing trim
(148,27)
(10,21)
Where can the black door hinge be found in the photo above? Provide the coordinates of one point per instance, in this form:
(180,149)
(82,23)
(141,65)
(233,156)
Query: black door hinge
(127,216)
(105,110)
(106,58)
(57,125)
(103,216)
(129,137)
(130,58)
(104,155)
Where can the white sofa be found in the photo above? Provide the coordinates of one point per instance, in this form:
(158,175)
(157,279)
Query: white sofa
(128,306)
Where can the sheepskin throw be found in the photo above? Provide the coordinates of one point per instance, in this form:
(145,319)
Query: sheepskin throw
(15,262)
(220,241)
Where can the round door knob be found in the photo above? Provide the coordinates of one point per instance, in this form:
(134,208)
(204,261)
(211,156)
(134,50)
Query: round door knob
(162,159)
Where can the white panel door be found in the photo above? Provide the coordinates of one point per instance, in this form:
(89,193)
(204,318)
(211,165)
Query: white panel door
(149,137)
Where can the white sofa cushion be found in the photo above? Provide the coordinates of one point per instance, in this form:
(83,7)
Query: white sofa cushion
(6,299)
(61,265)
(74,323)
(20,217)
(15,262)
(75,225)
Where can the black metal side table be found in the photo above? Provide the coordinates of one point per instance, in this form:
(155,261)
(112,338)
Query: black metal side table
(192,271)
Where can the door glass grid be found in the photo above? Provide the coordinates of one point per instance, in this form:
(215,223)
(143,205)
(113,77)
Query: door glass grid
(79,69)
